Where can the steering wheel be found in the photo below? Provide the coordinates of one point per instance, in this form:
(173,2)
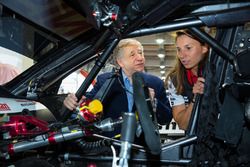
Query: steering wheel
(146,115)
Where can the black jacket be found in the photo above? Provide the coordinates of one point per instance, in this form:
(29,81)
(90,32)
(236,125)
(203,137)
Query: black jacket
(116,102)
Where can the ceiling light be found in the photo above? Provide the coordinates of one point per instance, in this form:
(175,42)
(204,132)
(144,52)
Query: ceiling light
(161,55)
(163,78)
(162,71)
(162,66)
(159,41)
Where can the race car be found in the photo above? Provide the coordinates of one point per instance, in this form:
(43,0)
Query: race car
(31,105)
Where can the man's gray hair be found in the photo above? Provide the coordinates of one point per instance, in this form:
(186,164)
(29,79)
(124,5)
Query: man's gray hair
(124,43)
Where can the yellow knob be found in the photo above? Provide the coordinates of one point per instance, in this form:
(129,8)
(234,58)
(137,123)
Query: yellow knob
(95,106)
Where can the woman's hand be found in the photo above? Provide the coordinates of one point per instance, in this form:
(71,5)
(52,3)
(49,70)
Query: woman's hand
(198,87)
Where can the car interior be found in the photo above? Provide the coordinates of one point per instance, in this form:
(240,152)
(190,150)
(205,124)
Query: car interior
(62,38)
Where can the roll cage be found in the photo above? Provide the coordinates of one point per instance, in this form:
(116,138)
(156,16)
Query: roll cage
(226,69)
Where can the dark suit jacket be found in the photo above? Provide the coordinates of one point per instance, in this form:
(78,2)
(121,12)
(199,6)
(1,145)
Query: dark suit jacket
(116,102)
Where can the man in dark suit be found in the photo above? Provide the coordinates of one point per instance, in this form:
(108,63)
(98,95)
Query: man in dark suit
(130,57)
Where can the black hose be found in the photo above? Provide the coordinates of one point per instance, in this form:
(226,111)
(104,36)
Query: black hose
(93,147)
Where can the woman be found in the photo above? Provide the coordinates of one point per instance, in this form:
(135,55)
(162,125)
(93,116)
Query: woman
(185,81)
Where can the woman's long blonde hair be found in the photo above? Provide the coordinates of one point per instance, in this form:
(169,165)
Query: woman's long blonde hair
(178,72)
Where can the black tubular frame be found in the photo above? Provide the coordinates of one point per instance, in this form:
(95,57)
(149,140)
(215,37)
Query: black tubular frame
(171,153)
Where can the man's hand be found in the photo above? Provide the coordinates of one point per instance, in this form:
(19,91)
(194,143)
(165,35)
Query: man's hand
(71,101)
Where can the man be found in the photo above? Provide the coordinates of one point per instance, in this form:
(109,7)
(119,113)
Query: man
(130,58)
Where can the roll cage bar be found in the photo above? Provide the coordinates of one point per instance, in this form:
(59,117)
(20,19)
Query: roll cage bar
(179,151)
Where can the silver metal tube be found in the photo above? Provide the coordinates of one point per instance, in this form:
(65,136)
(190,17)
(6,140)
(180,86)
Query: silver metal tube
(44,140)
